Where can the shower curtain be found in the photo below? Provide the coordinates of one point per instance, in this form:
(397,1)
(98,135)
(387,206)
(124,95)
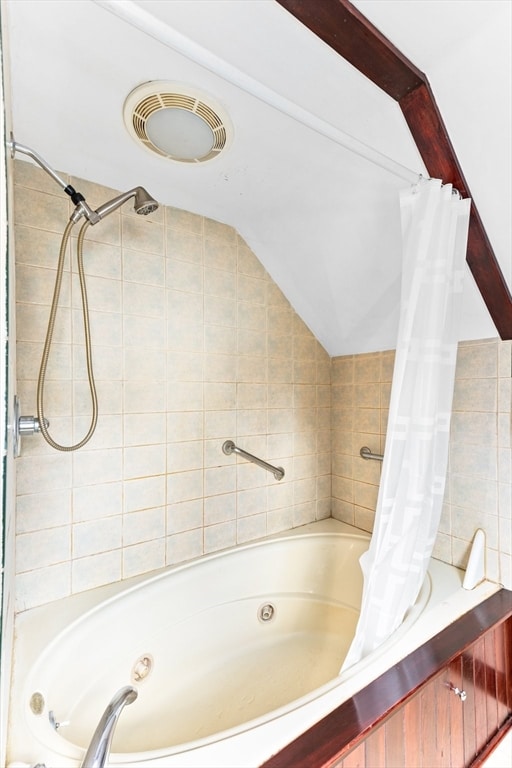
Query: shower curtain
(434,234)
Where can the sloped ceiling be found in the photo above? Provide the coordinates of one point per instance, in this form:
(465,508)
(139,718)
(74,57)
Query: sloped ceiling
(324,221)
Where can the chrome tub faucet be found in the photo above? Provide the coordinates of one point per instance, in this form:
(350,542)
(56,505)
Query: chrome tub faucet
(99,748)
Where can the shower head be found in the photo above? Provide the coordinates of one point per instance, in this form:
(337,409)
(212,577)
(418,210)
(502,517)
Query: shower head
(143,203)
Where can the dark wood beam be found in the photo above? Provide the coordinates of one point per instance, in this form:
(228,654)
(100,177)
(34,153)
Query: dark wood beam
(350,34)
(339,24)
(429,132)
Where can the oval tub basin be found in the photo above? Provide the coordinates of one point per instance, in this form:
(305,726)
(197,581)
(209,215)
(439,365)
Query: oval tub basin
(214,647)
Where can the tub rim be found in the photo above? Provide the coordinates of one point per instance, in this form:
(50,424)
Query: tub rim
(449,602)
(343,531)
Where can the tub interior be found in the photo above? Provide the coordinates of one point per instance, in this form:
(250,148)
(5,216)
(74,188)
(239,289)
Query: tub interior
(210,685)
(195,644)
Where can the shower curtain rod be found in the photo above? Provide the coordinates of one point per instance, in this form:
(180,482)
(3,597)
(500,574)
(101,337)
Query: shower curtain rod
(163,33)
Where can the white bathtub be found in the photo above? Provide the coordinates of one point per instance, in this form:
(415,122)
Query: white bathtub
(217,685)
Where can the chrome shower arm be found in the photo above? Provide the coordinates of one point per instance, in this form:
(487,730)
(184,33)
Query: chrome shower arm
(81,209)
(16,147)
(144,203)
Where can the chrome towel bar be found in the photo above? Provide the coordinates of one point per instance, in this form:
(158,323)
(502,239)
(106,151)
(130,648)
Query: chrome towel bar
(366,453)
(229,447)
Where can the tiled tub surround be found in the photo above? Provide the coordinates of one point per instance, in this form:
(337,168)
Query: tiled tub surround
(478,486)
(193,344)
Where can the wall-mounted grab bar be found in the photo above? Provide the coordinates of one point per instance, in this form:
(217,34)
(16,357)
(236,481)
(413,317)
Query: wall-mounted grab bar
(366,453)
(229,447)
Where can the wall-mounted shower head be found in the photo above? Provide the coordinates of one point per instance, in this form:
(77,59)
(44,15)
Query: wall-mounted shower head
(143,203)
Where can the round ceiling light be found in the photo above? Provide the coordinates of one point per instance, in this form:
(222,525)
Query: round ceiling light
(177,121)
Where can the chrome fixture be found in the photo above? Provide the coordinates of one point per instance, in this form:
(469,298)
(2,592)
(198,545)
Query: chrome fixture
(142,668)
(366,453)
(229,447)
(54,723)
(99,748)
(458,692)
(143,204)
(266,612)
(23,425)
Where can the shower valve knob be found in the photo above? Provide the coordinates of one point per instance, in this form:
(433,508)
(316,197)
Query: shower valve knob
(30,424)
(23,425)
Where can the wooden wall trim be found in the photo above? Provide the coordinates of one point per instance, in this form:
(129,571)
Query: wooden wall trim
(339,24)
(352,720)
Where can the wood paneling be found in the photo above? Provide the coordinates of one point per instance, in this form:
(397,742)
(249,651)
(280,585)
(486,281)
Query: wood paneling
(339,24)
(375,746)
(456,714)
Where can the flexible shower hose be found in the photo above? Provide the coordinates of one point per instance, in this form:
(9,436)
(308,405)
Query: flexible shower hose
(49,336)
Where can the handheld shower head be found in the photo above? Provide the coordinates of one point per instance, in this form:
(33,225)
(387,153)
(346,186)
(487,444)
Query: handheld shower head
(143,203)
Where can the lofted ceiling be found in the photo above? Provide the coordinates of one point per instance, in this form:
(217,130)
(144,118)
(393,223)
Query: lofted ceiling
(323,220)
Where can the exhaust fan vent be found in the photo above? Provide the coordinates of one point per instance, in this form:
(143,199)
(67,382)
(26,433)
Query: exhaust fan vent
(177,122)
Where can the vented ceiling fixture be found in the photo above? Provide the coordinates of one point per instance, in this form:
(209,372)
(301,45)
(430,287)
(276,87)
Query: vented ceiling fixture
(177,121)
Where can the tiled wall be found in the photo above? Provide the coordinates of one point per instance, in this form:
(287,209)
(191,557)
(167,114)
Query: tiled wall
(193,344)
(478,487)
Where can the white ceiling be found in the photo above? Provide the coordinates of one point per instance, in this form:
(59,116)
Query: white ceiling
(324,222)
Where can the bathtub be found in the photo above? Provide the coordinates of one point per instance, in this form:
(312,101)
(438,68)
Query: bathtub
(232,655)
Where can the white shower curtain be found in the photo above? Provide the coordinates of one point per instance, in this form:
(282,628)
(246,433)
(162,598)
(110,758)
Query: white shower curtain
(434,232)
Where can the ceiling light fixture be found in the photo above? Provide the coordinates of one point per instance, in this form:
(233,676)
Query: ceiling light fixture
(177,121)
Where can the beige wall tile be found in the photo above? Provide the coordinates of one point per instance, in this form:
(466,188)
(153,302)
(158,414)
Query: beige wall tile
(250,528)
(194,344)
(477,360)
(39,209)
(96,536)
(220,509)
(43,585)
(220,255)
(143,268)
(184,546)
(101,260)
(219,536)
(144,557)
(39,549)
(220,231)
(144,493)
(43,510)
(178,219)
(94,571)
(182,247)
(186,516)
(97,501)
(142,235)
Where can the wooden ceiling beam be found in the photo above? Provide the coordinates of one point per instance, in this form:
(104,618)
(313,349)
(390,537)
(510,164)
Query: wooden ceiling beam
(344,28)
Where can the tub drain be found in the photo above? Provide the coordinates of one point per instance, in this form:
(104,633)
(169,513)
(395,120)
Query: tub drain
(266,612)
